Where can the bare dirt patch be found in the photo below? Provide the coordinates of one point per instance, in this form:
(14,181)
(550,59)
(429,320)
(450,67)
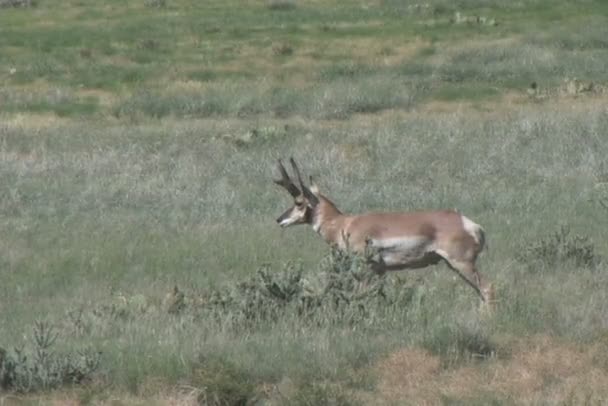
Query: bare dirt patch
(539,368)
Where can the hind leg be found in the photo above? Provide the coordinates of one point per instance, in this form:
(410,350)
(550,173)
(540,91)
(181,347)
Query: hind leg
(468,272)
(465,268)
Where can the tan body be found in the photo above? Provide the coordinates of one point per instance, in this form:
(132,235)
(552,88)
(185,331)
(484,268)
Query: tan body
(402,240)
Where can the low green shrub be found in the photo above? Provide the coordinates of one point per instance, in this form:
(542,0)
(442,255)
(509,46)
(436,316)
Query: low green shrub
(343,291)
(40,368)
(560,247)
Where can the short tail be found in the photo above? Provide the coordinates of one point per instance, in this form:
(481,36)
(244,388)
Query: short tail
(476,231)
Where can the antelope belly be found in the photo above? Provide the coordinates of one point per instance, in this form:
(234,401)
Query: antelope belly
(402,250)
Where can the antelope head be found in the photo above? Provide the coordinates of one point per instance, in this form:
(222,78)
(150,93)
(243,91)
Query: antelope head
(305,199)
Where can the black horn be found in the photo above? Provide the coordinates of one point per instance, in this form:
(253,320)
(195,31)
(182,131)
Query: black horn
(286,182)
(306,191)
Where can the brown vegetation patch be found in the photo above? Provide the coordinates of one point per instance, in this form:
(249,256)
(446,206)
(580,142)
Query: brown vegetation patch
(409,374)
(104,97)
(32,121)
(166,396)
(539,368)
(372,50)
(449,49)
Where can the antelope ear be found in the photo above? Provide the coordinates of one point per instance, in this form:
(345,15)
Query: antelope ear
(313,187)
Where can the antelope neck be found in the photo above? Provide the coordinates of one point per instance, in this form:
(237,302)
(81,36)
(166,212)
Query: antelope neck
(327,220)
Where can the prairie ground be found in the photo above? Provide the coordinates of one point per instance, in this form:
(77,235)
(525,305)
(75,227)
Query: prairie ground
(140,262)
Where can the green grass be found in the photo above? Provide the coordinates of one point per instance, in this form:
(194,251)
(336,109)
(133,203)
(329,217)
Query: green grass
(92,214)
(137,147)
(126,50)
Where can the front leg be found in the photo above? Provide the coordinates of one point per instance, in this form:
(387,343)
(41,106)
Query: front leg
(374,258)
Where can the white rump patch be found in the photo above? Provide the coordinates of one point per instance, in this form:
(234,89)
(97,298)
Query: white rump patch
(472,228)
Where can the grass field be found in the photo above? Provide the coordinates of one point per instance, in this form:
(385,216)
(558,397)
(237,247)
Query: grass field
(138,145)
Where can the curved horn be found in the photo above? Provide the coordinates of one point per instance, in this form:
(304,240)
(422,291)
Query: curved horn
(297,171)
(306,191)
(286,182)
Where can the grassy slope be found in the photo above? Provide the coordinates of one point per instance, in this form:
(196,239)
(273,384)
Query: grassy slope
(102,200)
(89,59)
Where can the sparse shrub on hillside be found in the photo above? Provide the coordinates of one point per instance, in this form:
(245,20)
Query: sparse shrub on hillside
(560,247)
(261,298)
(221,383)
(23,370)
(343,291)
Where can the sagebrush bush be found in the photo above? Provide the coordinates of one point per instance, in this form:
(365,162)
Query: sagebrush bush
(342,291)
(40,368)
(560,247)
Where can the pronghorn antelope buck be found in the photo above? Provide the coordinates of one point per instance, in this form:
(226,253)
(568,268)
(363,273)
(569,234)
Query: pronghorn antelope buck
(402,240)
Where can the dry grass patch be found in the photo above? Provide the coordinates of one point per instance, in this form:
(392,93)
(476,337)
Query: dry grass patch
(389,52)
(103,97)
(543,368)
(308,56)
(539,369)
(409,374)
(32,121)
(185,397)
